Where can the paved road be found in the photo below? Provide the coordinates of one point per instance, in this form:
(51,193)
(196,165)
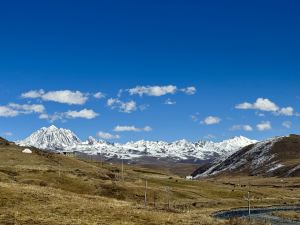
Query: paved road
(264,214)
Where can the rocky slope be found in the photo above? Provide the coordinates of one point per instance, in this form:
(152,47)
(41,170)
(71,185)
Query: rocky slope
(279,156)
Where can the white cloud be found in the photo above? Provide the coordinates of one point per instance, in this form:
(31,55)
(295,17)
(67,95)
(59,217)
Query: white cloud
(264,125)
(169,102)
(131,128)
(52,118)
(126,107)
(288,111)
(159,90)
(13,109)
(153,90)
(210,120)
(241,127)
(189,90)
(6,111)
(27,109)
(287,124)
(99,95)
(33,94)
(84,113)
(245,105)
(107,136)
(62,96)
(262,104)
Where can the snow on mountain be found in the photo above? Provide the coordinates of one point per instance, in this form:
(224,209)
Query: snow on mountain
(275,156)
(53,138)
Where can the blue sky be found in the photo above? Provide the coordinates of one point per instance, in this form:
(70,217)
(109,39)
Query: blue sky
(241,58)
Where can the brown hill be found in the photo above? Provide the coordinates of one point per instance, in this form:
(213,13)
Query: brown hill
(278,156)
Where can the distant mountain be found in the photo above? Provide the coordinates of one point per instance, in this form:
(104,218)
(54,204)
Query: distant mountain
(53,138)
(279,156)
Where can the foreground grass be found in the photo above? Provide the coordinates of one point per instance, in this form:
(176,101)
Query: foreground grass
(288,215)
(43,188)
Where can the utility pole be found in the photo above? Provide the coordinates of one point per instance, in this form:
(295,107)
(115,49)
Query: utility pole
(58,167)
(99,154)
(249,207)
(146,186)
(248,199)
(122,170)
(168,196)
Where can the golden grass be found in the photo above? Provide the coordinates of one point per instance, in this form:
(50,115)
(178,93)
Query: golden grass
(288,215)
(42,188)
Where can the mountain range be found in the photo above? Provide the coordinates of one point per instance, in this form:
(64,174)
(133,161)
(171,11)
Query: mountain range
(59,139)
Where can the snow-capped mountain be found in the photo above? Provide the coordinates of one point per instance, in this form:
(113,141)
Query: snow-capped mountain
(53,138)
(277,156)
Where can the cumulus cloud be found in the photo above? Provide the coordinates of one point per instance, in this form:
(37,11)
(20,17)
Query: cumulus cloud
(6,111)
(189,90)
(132,128)
(107,136)
(288,111)
(287,124)
(13,109)
(160,90)
(153,90)
(53,117)
(126,107)
(241,127)
(264,125)
(264,104)
(99,95)
(169,102)
(210,120)
(84,113)
(71,114)
(33,94)
(27,109)
(62,96)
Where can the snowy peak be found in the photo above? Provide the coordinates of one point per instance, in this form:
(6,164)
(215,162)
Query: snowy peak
(51,138)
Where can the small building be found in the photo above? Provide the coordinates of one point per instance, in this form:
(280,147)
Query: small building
(69,153)
(27,151)
(189,178)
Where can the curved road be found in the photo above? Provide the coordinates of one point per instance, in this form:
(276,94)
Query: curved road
(264,214)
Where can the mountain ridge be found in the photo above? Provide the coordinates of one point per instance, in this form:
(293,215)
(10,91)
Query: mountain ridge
(59,139)
(278,156)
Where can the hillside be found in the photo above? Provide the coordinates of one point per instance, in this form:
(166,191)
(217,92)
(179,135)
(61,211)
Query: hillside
(278,156)
(48,188)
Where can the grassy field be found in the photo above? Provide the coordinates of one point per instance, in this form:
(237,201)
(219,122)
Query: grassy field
(43,188)
(288,215)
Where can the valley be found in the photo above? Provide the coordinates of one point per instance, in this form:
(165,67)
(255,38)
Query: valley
(49,188)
